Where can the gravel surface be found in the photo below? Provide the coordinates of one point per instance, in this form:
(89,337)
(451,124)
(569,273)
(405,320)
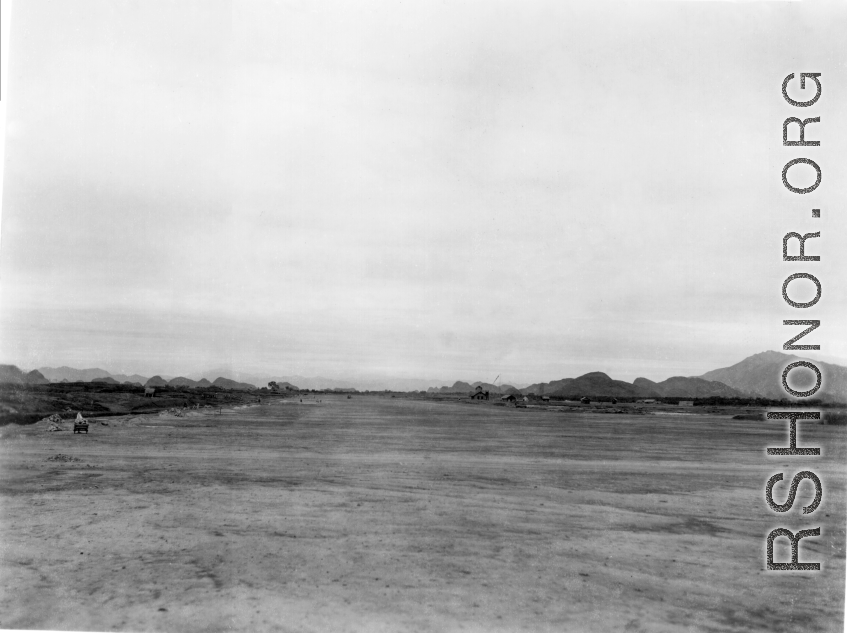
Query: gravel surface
(380,514)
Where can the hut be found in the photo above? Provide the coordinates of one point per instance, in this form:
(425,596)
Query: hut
(479,394)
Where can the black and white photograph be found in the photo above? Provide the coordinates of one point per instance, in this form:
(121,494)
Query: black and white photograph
(418,316)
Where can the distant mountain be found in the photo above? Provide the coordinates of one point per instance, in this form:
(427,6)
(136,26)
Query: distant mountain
(11,374)
(35,377)
(458,387)
(494,388)
(262,380)
(182,382)
(594,384)
(464,387)
(320,382)
(225,383)
(681,387)
(131,378)
(57,374)
(221,372)
(761,375)
(284,386)
(756,376)
(107,379)
(361,384)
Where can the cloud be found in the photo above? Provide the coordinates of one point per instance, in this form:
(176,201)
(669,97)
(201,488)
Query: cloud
(322,186)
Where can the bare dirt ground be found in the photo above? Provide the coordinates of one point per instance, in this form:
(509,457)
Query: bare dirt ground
(378,514)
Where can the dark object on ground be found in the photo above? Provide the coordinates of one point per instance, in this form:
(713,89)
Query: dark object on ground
(79,427)
(59,457)
(585,400)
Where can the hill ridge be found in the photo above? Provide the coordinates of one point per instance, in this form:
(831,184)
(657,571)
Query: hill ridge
(758,375)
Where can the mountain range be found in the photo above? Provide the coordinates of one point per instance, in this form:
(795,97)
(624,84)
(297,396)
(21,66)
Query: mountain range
(465,387)
(69,374)
(13,375)
(322,382)
(679,386)
(58,374)
(761,375)
(598,384)
(756,376)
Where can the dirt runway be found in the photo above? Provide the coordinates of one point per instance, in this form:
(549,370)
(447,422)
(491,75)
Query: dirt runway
(380,514)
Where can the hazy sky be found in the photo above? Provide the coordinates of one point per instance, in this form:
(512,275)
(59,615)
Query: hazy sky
(452,190)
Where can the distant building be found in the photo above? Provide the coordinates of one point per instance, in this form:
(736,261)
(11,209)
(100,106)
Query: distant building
(686,403)
(508,398)
(646,401)
(479,394)
(545,398)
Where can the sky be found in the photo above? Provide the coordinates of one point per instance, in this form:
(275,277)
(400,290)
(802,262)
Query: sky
(450,191)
